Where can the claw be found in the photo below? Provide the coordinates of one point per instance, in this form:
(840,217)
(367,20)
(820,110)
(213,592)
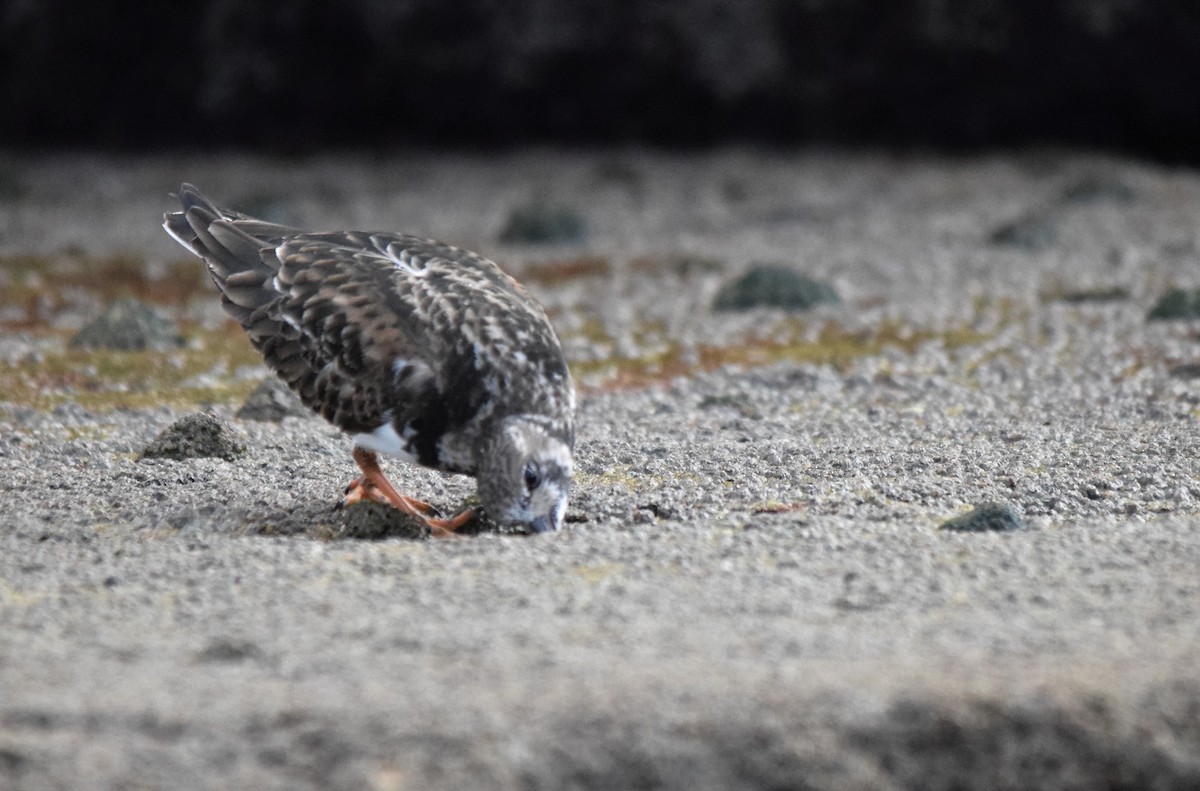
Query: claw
(374,486)
(447,528)
(359,490)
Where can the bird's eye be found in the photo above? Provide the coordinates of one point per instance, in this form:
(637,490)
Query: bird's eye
(533,476)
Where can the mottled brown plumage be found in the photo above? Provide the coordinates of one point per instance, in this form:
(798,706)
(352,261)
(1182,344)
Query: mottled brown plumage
(412,347)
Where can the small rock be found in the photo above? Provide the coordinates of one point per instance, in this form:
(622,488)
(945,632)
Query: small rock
(370,520)
(1098,294)
(776,287)
(1185,371)
(737,403)
(271,401)
(709,401)
(227,651)
(127,325)
(543,225)
(1178,303)
(988,517)
(196,436)
(1095,188)
(1030,233)
(659,510)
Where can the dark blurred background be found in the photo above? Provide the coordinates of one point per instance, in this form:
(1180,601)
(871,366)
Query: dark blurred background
(296,75)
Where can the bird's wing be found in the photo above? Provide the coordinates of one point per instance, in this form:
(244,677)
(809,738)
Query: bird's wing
(371,326)
(340,336)
(448,325)
(496,352)
(319,310)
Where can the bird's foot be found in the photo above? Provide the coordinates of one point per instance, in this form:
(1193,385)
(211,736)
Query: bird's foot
(373,485)
(448,528)
(361,489)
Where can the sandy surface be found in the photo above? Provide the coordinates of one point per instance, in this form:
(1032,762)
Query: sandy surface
(751,592)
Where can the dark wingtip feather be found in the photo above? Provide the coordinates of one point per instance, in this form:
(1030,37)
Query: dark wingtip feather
(187,229)
(190,198)
(176,225)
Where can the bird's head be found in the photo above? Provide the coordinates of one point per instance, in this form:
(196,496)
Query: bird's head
(525,475)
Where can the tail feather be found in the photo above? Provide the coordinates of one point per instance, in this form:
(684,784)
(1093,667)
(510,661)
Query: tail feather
(178,228)
(191,198)
(233,243)
(244,288)
(238,250)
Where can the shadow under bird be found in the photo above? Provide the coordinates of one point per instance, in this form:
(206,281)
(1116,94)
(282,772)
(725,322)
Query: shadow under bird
(414,348)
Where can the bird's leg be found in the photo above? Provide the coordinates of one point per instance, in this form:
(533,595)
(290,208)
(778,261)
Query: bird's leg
(445,528)
(374,486)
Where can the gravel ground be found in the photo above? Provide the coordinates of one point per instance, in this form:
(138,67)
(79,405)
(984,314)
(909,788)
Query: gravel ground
(752,590)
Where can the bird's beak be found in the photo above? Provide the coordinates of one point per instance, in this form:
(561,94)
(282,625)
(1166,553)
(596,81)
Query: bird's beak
(544,524)
(551,521)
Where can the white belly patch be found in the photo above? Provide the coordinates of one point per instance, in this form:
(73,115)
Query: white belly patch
(385,440)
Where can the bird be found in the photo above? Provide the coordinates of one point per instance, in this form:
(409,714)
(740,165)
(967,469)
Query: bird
(414,348)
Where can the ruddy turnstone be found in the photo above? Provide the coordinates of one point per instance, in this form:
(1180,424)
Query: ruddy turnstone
(414,348)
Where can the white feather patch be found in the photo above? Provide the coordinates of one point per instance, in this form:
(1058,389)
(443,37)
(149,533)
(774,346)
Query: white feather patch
(385,440)
(403,260)
(288,319)
(180,239)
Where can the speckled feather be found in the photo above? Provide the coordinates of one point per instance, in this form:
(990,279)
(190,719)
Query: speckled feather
(376,329)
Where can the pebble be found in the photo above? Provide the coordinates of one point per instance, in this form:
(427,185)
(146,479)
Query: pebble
(128,325)
(775,287)
(987,517)
(199,435)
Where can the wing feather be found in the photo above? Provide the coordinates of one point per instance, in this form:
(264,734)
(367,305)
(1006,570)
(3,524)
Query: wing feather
(374,327)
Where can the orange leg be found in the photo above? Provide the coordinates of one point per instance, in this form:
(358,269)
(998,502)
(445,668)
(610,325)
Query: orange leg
(374,486)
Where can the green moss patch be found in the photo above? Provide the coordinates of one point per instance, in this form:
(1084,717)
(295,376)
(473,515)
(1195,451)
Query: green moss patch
(104,379)
(33,287)
(564,271)
(834,345)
